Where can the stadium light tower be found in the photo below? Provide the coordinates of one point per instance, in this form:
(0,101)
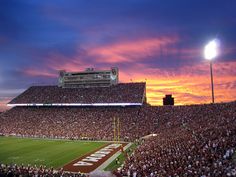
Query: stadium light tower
(210,52)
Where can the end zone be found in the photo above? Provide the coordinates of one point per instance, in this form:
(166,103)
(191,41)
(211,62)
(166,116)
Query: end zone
(93,160)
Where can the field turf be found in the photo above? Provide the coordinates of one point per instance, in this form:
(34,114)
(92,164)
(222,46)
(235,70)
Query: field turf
(52,153)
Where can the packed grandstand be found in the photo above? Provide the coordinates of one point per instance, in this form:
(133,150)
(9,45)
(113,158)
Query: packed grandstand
(196,140)
(120,93)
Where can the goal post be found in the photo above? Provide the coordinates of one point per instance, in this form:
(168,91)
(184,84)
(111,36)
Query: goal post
(116,129)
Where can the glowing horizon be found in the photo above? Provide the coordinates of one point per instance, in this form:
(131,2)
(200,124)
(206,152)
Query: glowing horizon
(183,89)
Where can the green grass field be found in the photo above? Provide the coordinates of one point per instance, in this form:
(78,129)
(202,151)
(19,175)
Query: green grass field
(112,166)
(52,153)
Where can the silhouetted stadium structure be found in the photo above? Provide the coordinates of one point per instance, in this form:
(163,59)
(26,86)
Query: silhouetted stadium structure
(197,140)
(168,100)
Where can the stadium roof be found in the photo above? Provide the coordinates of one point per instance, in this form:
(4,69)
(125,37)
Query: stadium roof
(122,94)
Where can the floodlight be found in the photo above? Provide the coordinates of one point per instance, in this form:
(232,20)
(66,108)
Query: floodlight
(211,49)
(210,52)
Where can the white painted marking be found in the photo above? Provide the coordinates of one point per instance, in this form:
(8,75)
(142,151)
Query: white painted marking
(81,163)
(95,157)
(92,159)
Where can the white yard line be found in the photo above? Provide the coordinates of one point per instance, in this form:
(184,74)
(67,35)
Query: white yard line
(108,161)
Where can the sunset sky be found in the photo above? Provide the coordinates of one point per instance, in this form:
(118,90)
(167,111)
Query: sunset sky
(157,41)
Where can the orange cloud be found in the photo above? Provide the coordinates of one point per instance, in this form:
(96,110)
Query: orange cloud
(122,52)
(127,51)
(189,85)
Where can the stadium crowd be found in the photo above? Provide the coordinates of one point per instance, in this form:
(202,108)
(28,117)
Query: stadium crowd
(75,123)
(120,93)
(190,141)
(34,171)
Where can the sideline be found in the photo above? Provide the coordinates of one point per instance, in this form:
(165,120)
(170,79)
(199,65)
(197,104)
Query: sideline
(113,157)
(58,139)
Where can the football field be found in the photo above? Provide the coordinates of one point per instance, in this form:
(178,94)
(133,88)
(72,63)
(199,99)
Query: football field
(51,153)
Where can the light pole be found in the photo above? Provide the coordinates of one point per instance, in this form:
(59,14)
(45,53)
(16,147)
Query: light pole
(210,52)
(212,84)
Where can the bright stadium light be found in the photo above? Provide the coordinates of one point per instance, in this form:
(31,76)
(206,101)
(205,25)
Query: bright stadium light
(210,52)
(211,49)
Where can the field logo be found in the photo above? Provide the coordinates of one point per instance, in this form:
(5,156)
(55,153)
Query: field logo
(95,157)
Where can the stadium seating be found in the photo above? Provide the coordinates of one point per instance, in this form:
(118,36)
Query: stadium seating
(21,170)
(120,93)
(75,123)
(191,141)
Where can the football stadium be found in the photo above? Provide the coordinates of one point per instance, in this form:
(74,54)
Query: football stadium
(90,123)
